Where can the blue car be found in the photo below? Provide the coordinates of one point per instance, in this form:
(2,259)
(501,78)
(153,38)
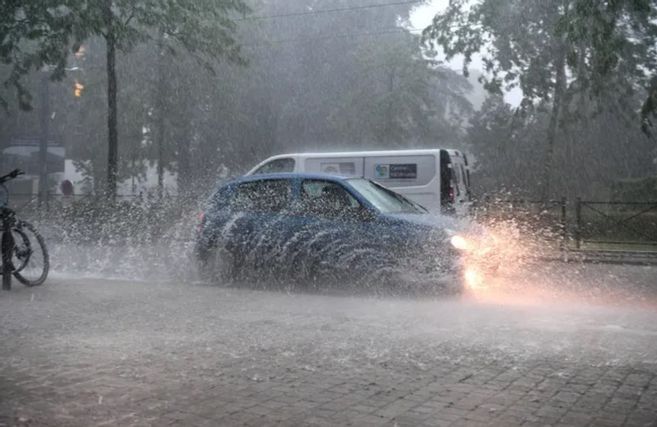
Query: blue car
(317,230)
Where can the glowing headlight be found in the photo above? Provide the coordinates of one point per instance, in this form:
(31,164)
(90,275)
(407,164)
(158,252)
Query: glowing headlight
(473,279)
(460,243)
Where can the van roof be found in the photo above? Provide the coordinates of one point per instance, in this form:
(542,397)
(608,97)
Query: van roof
(381,153)
(287,175)
(364,153)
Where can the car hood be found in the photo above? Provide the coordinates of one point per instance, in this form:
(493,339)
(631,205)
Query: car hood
(430,221)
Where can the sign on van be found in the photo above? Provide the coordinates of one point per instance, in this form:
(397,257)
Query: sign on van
(395,171)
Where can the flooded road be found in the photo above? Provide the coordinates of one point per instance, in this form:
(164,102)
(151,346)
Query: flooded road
(565,344)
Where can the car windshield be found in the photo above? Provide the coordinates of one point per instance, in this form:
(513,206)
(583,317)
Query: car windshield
(384,200)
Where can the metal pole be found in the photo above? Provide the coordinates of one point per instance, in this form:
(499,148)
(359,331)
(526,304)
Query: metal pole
(564,229)
(43,143)
(578,223)
(7,251)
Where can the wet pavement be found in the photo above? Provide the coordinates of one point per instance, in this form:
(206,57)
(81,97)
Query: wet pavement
(577,351)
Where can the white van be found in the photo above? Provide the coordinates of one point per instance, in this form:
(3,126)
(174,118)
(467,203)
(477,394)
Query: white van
(438,179)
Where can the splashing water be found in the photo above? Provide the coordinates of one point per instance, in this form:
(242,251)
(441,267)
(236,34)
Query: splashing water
(316,256)
(504,262)
(513,264)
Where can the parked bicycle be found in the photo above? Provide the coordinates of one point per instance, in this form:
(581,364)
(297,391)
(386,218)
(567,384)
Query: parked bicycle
(24,253)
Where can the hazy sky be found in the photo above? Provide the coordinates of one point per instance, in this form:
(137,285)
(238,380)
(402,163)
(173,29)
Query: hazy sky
(421,17)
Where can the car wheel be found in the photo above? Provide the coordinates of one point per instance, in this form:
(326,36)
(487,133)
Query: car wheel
(217,266)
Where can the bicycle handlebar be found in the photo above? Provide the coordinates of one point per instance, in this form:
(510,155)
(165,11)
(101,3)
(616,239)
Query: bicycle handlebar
(11,175)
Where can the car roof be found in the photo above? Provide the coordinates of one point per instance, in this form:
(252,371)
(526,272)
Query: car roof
(288,175)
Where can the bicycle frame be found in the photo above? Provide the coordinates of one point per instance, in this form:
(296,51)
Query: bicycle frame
(8,243)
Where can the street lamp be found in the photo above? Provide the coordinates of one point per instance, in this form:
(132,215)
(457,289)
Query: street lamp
(44,121)
(44,118)
(77,89)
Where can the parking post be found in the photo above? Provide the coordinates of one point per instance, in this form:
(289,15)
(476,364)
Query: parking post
(7,250)
(564,230)
(578,222)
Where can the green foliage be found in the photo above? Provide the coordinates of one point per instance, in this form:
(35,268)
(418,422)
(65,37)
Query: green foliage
(35,34)
(43,33)
(583,60)
(405,99)
(635,190)
(606,45)
(601,149)
(312,82)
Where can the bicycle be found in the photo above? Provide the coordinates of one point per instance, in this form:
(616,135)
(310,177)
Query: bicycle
(24,253)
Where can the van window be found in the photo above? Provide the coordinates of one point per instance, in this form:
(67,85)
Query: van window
(276,166)
(262,196)
(445,178)
(464,177)
(455,179)
(344,166)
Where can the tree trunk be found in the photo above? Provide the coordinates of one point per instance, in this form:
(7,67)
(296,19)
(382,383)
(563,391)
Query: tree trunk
(389,137)
(160,115)
(184,164)
(113,143)
(559,89)
(44,117)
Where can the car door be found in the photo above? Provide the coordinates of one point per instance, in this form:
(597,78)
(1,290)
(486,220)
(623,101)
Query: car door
(330,228)
(258,208)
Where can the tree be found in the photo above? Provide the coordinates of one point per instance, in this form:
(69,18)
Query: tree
(602,149)
(204,28)
(35,34)
(397,97)
(558,52)
(314,81)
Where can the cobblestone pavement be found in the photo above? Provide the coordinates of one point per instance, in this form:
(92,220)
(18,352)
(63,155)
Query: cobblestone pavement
(107,352)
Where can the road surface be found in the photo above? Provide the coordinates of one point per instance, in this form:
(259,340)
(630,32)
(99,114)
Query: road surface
(579,348)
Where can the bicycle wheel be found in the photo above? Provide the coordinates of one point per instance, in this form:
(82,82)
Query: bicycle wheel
(31,261)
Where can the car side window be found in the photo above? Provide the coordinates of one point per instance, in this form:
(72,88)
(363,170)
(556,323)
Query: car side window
(327,199)
(277,166)
(262,196)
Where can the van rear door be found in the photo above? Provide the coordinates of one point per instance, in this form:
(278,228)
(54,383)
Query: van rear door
(457,189)
(447,185)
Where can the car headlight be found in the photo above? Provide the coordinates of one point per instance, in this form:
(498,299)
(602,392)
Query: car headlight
(460,243)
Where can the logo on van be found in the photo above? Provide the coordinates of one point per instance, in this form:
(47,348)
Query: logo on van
(381,171)
(396,171)
(403,171)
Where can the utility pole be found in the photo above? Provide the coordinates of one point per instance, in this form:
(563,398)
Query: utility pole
(44,118)
(160,115)
(111,40)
